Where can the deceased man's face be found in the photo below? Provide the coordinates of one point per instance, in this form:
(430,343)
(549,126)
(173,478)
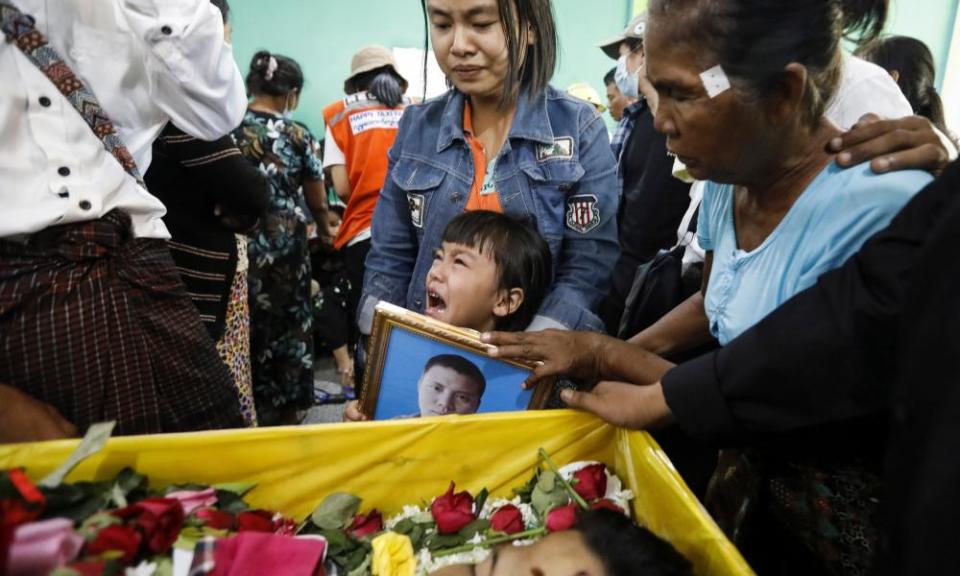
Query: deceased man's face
(559,554)
(443,390)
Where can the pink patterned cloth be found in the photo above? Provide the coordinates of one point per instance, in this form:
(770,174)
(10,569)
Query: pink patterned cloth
(263,554)
(40,547)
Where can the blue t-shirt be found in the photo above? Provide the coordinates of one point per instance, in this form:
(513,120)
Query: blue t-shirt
(827,224)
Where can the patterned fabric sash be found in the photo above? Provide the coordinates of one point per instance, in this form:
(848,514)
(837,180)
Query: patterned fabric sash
(19,29)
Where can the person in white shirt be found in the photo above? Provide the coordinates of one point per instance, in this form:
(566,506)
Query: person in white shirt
(94,321)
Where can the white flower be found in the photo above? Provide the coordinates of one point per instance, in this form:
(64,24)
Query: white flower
(407,512)
(143,569)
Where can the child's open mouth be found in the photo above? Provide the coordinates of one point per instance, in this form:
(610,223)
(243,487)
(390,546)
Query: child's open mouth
(435,303)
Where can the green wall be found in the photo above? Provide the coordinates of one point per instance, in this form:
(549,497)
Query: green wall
(322,35)
(929,20)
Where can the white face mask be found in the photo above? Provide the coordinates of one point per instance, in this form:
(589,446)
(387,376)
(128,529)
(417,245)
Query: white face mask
(627,82)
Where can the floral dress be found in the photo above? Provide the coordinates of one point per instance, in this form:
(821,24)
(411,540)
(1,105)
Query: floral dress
(281,342)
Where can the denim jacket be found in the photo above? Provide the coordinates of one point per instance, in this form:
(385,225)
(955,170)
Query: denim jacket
(556,167)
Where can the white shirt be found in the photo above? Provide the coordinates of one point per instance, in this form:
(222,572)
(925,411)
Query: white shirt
(865,88)
(148,62)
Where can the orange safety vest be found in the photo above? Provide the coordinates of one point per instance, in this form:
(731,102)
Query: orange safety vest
(364,130)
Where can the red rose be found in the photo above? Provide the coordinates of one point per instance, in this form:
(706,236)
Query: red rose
(255,521)
(452,511)
(507,519)
(604,504)
(591,482)
(159,521)
(121,538)
(562,518)
(365,524)
(88,567)
(216,519)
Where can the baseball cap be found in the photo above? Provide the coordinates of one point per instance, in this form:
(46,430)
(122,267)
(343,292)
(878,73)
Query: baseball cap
(584,91)
(635,29)
(370,58)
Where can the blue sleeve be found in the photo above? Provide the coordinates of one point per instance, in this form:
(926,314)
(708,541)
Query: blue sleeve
(393,246)
(586,260)
(853,215)
(707,217)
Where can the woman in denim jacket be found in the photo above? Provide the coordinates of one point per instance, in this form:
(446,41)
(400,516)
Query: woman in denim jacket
(501,139)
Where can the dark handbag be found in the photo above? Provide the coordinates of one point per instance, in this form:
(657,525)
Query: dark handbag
(658,286)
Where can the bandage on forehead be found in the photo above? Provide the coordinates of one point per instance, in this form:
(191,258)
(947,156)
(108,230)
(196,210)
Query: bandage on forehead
(715,81)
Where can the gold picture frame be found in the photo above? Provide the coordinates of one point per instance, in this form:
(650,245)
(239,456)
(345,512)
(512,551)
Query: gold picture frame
(423,338)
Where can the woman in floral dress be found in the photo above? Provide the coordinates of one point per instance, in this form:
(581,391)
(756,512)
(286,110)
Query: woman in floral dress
(281,341)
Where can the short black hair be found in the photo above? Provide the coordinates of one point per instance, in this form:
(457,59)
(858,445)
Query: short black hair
(520,253)
(460,365)
(224,8)
(285,79)
(912,60)
(384,83)
(627,549)
(517,18)
(610,77)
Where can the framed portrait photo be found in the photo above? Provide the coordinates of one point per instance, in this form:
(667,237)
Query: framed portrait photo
(418,366)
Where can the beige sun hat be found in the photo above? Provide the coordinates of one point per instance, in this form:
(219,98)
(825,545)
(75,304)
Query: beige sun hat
(584,91)
(635,29)
(370,58)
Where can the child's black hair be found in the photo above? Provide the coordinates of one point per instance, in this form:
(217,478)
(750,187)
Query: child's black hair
(626,549)
(285,79)
(521,255)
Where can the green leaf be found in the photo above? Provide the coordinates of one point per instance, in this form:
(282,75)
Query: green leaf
(357,560)
(472,529)
(440,541)
(94,524)
(336,511)
(228,501)
(76,501)
(525,491)
(547,481)
(480,500)
(238,488)
(164,566)
(339,543)
(417,536)
(404,526)
(363,569)
(128,481)
(548,493)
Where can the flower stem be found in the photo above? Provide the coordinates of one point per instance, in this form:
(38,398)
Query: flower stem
(569,487)
(491,542)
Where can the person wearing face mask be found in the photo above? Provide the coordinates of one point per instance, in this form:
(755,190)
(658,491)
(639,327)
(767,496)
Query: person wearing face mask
(652,201)
(281,339)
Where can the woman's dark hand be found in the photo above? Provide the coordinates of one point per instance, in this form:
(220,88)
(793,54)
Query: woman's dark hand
(554,352)
(624,405)
(905,143)
(24,419)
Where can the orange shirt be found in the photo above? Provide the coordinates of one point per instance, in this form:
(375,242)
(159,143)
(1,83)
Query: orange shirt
(483,193)
(364,130)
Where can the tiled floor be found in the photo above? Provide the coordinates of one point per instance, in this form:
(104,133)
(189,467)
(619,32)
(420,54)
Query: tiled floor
(325,378)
